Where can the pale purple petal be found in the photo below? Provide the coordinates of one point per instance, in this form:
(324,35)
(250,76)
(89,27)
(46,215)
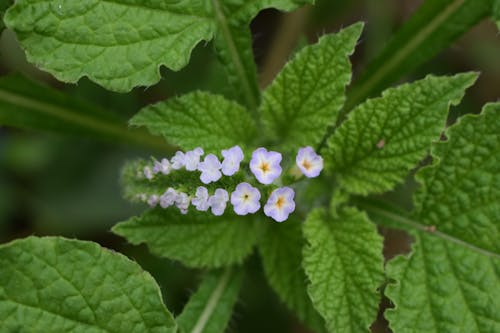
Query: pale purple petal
(280,204)
(200,201)
(168,198)
(309,162)
(265,165)
(148,173)
(192,159)
(182,202)
(245,199)
(153,200)
(163,167)
(232,160)
(210,169)
(218,201)
(179,160)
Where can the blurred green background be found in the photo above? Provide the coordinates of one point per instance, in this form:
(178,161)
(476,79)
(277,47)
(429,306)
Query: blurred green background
(68,185)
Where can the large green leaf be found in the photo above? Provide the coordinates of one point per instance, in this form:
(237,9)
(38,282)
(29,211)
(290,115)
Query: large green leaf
(451,280)
(344,263)
(198,120)
(209,308)
(196,239)
(434,26)
(121,44)
(496,12)
(58,285)
(385,137)
(281,252)
(25,104)
(307,95)
(460,192)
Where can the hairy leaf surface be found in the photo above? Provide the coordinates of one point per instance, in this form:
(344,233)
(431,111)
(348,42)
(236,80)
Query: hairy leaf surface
(209,308)
(308,93)
(198,120)
(121,44)
(53,284)
(385,137)
(281,252)
(196,239)
(344,263)
(451,280)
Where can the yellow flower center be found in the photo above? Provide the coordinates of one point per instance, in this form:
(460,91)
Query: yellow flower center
(265,167)
(280,202)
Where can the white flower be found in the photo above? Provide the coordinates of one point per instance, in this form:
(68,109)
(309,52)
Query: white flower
(245,199)
(192,159)
(168,198)
(182,202)
(280,204)
(218,201)
(265,165)
(148,173)
(200,201)
(178,161)
(210,169)
(232,159)
(164,167)
(309,162)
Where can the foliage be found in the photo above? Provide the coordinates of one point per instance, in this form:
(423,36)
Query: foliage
(326,262)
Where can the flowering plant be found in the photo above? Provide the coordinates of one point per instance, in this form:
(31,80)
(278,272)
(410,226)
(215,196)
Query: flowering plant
(296,171)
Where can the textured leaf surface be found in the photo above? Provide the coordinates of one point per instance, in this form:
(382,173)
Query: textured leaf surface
(460,192)
(433,27)
(25,104)
(451,280)
(210,308)
(57,285)
(387,136)
(195,239)
(281,253)
(444,287)
(198,120)
(121,44)
(309,92)
(343,261)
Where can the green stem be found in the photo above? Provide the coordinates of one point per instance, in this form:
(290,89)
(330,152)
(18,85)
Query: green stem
(213,300)
(102,127)
(250,98)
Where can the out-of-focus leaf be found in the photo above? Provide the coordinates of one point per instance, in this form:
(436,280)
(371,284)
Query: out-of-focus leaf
(435,25)
(25,104)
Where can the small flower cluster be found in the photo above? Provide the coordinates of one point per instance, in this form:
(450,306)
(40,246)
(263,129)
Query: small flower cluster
(265,166)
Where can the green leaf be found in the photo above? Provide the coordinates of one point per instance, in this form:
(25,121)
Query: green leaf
(210,308)
(344,264)
(233,42)
(198,119)
(444,287)
(307,95)
(121,44)
(434,26)
(385,137)
(460,192)
(451,280)
(53,284)
(496,12)
(281,252)
(4,4)
(25,104)
(197,239)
